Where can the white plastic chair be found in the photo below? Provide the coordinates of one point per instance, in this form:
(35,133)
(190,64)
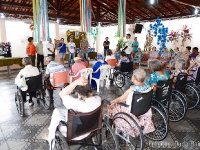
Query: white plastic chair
(104,75)
(86,72)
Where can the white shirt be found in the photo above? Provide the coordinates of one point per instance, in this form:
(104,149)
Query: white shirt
(129,43)
(110,57)
(28,71)
(83,106)
(71,47)
(51,47)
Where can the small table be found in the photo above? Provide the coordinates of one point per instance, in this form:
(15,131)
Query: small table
(8,61)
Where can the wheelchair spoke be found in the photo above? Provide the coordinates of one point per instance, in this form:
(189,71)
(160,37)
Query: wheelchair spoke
(192,97)
(47,101)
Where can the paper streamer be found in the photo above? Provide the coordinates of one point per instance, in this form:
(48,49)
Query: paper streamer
(121,18)
(40,20)
(85,15)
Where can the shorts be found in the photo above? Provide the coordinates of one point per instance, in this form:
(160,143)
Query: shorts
(62,55)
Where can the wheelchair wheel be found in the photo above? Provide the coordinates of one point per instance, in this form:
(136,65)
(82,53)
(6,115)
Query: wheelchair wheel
(19,103)
(192,96)
(182,96)
(46,100)
(60,142)
(160,123)
(105,139)
(119,79)
(161,107)
(177,109)
(134,141)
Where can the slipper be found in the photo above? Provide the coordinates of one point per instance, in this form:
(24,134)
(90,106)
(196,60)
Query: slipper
(45,136)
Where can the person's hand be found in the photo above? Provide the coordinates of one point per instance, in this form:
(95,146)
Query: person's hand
(82,81)
(192,62)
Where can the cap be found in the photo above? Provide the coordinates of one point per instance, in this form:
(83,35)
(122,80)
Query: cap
(99,56)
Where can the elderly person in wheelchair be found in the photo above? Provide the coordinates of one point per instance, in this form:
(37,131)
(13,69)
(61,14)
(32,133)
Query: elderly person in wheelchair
(85,103)
(138,78)
(27,71)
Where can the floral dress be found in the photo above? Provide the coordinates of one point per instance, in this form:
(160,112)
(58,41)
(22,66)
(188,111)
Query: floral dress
(176,57)
(143,120)
(164,56)
(137,58)
(193,73)
(155,77)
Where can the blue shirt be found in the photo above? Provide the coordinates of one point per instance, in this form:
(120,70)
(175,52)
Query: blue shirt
(63,49)
(135,46)
(155,77)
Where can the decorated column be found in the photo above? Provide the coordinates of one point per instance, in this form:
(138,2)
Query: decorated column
(99,48)
(3,37)
(121,18)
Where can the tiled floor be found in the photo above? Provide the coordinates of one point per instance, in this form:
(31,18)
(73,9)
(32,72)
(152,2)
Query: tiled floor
(18,133)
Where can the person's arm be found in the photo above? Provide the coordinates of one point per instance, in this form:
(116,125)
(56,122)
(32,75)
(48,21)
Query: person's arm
(69,89)
(27,48)
(122,98)
(48,48)
(47,73)
(60,46)
(192,64)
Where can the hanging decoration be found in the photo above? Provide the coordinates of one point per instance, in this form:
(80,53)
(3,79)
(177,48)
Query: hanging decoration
(85,15)
(185,34)
(40,20)
(121,18)
(148,43)
(94,33)
(173,36)
(161,32)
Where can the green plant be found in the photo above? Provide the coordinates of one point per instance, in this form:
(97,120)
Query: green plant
(121,43)
(171,51)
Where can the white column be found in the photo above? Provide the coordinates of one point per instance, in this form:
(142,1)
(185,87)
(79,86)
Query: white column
(57,35)
(99,46)
(3,37)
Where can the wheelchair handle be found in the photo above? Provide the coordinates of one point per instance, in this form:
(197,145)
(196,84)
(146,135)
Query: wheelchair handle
(105,101)
(123,104)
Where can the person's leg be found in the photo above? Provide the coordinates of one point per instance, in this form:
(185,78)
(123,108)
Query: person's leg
(86,56)
(42,61)
(72,57)
(104,53)
(33,60)
(69,59)
(58,115)
(38,61)
(61,60)
(23,96)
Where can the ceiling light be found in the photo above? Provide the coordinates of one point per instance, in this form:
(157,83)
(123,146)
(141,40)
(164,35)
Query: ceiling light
(196,11)
(57,20)
(2,16)
(152,2)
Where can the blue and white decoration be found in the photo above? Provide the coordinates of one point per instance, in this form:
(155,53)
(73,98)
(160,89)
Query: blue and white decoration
(161,32)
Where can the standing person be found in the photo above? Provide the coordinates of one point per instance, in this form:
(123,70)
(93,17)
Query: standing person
(50,48)
(106,44)
(62,51)
(194,53)
(40,55)
(71,48)
(84,47)
(129,43)
(31,50)
(135,45)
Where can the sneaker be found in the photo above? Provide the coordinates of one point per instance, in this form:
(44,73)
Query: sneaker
(31,103)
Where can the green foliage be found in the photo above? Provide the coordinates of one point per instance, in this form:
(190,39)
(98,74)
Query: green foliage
(171,51)
(121,43)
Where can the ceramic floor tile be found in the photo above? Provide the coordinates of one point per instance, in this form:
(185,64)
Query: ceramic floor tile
(16,144)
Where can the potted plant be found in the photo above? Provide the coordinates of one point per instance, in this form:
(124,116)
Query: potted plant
(121,43)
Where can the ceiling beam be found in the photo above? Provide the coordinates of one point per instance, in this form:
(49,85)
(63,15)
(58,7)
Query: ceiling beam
(175,7)
(52,4)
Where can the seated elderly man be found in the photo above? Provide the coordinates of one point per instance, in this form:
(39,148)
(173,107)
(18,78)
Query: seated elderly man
(52,68)
(27,71)
(86,103)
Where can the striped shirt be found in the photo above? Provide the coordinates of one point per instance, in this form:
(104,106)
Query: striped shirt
(53,67)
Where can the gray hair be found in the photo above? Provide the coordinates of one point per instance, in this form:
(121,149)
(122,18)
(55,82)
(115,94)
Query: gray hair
(155,65)
(140,74)
(181,63)
(26,61)
(198,59)
(50,58)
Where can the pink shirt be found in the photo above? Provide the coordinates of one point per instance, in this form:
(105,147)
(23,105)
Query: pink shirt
(75,69)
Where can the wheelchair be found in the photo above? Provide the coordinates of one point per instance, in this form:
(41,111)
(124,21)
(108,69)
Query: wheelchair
(169,101)
(131,126)
(34,85)
(120,73)
(95,133)
(60,81)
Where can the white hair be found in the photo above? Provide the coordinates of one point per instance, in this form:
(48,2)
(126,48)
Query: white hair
(50,58)
(181,63)
(140,74)
(26,61)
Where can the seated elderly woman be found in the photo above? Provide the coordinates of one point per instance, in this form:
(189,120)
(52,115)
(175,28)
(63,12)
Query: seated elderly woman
(193,68)
(153,54)
(165,57)
(76,67)
(117,53)
(86,103)
(158,73)
(180,67)
(96,66)
(137,58)
(109,55)
(174,58)
(138,78)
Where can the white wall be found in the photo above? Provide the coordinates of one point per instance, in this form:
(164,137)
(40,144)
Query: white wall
(17,33)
